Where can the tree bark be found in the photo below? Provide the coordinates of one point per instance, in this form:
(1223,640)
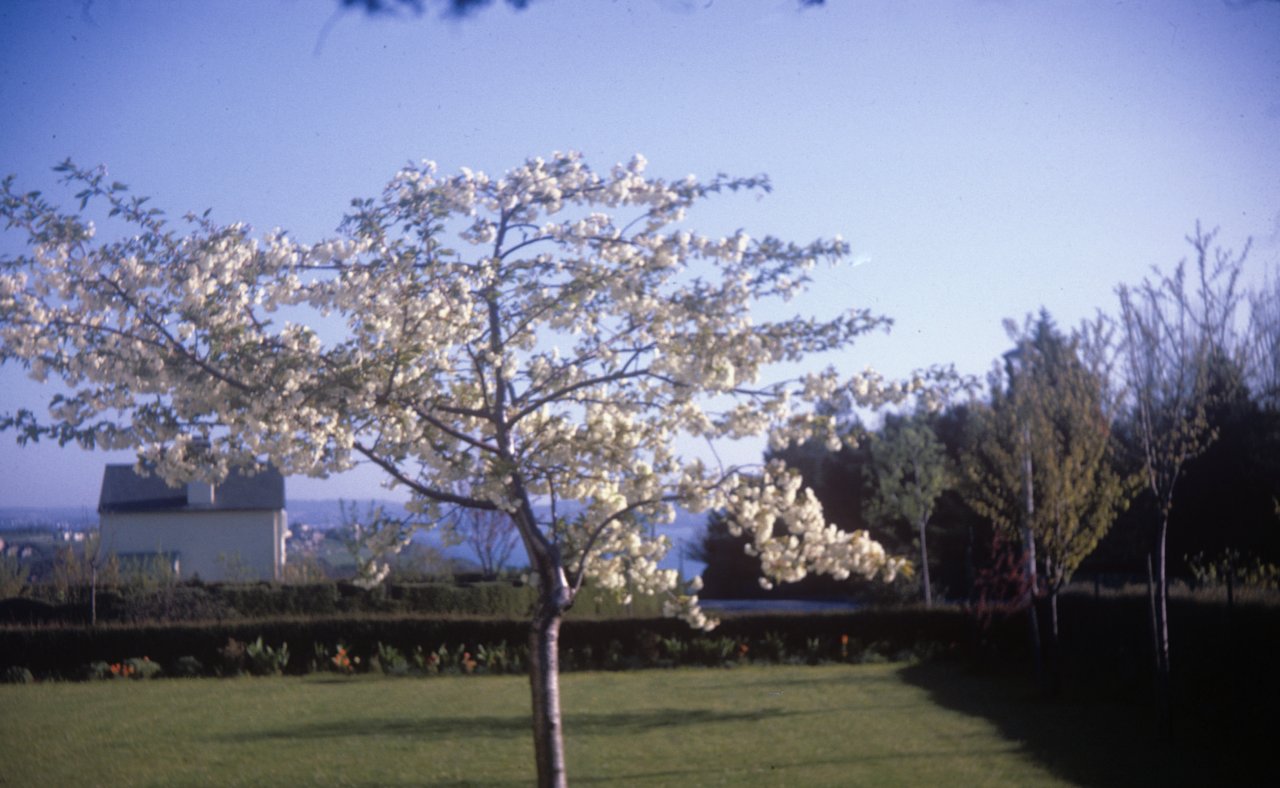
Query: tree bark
(544,682)
(555,597)
(1155,620)
(1033,616)
(1029,553)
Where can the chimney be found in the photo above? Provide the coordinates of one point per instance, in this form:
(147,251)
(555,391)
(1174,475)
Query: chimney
(199,493)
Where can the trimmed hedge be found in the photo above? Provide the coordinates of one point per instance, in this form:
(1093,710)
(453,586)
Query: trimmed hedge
(1217,652)
(189,602)
(585,642)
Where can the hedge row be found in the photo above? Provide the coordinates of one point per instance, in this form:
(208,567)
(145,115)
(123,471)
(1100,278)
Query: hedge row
(585,643)
(188,602)
(1105,641)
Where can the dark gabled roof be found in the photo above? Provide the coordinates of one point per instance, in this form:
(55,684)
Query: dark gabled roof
(125,490)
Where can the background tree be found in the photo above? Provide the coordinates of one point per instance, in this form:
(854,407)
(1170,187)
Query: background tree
(490,535)
(373,538)
(572,343)
(1045,458)
(1172,331)
(1263,343)
(910,472)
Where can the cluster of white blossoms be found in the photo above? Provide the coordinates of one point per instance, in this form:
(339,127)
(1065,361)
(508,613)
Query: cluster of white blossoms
(565,350)
(372,538)
(791,536)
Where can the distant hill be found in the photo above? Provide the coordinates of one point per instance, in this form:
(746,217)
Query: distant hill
(327,513)
(74,518)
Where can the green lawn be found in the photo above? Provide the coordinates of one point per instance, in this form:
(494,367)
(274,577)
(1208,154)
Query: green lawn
(831,725)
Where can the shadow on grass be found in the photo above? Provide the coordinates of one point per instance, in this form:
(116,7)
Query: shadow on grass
(697,773)
(502,727)
(1091,740)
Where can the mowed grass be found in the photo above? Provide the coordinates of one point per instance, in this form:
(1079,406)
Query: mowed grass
(829,725)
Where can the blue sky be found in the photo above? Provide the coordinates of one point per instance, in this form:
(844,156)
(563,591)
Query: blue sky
(985,158)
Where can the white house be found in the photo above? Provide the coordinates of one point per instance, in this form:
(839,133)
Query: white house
(231,531)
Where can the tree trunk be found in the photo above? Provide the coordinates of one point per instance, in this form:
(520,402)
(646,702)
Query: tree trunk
(1162,628)
(1053,652)
(1162,599)
(1155,620)
(1029,553)
(544,681)
(1053,616)
(1231,580)
(924,566)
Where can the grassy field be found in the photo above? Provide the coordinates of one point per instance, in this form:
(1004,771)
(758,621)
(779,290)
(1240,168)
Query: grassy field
(831,725)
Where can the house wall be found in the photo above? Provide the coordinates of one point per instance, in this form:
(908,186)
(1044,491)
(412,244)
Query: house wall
(216,545)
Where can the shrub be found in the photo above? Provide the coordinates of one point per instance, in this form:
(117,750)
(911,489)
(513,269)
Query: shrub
(18,675)
(425,662)
(231,658)
(264,660)
(712,652)
(342,661)
(391,660)
(13,576)
(874,654)
(97,671)
(319,658)
(774,647)
(676,650)
(186,668)
(467,662)
(141,668)
(814,653)
(498,659)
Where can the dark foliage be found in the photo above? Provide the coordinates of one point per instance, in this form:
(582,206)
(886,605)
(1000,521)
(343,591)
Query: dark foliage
(1226,498)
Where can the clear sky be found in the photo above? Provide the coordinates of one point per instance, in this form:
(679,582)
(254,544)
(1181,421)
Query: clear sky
(985,158)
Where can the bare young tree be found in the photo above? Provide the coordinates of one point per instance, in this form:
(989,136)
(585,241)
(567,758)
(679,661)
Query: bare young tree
(491,536)
(1262,343)
(1174,330)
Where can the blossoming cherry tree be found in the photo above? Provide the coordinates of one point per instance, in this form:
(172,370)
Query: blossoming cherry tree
(542,344)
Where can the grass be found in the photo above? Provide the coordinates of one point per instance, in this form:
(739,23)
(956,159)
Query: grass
(829,725)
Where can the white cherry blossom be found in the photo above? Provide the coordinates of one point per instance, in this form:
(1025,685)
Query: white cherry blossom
(547,340)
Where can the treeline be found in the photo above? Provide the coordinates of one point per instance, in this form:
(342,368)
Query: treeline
(1142,446)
